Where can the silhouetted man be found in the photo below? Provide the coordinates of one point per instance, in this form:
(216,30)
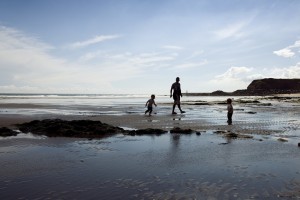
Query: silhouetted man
(176,95)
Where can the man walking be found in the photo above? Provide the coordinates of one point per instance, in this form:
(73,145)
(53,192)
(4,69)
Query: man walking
(176,95)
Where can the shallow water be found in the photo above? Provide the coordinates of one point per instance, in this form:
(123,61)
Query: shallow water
(169,166)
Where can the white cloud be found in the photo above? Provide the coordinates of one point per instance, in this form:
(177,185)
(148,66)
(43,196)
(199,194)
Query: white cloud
(296,44)
(287,52)
(245,73)
(195,54)
(240,77)
(141,60)
(234,78)
(234,73)
(171,47)
(150,58)
(232,30)
(252,77)
(28,66)
(287,72)
(90,56)
(12,39)
(25,55)
(191,65)
(94,40)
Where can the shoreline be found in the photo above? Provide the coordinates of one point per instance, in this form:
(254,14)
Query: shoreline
(201,114)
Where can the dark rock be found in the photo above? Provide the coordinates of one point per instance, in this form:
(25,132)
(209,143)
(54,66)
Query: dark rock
(220,93)
(6,132)
(201,104)
(249,101)
(251,112)
(232,135)
(148,131)
(179,130)
(273,86)
(75,128)
(264,104)
(282,140)
(242,136)
(299,144)
(223,143)
(220,132)
(235,135)
(198,133)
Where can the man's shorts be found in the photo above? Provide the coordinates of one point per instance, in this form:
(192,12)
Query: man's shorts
(176,98)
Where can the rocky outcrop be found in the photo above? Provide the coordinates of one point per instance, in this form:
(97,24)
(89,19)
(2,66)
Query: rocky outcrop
(82,129)
(274,86)
(75,128)
(220,93)
(229,134)
(180,130)
(6,132)
(148,131)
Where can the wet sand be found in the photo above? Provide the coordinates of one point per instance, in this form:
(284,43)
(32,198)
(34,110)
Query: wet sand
(170,166)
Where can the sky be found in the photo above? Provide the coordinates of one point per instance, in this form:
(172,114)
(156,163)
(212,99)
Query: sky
(140,47)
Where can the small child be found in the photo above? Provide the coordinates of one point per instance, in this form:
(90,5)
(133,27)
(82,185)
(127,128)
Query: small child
(150,102)
(229,111)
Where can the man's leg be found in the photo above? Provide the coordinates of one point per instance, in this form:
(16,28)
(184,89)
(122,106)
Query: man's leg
(180,109)
(173,111)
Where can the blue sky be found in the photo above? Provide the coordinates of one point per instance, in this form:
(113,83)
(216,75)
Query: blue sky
(134,46)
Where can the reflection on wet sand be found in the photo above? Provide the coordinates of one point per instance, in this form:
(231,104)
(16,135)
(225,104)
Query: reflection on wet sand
(242,161)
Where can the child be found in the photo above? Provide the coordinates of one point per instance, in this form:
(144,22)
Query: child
(230,111)
(150,102)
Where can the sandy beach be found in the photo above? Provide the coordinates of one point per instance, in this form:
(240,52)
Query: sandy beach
(264,165)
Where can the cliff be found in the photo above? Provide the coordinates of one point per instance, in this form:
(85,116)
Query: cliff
(273,86)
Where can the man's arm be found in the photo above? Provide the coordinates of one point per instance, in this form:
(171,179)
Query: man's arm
(171,90)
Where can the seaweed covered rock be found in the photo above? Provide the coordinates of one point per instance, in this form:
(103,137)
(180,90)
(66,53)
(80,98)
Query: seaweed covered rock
(75,128)
(179,130)
(6,132)
(148,131)
(229,134)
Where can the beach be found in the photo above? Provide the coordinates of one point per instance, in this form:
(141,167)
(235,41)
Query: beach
(205,164)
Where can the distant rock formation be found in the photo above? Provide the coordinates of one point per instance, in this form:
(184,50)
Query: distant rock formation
(274,86)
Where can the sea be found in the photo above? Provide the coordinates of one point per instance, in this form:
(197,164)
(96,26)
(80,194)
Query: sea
(96,99)
(70,103)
